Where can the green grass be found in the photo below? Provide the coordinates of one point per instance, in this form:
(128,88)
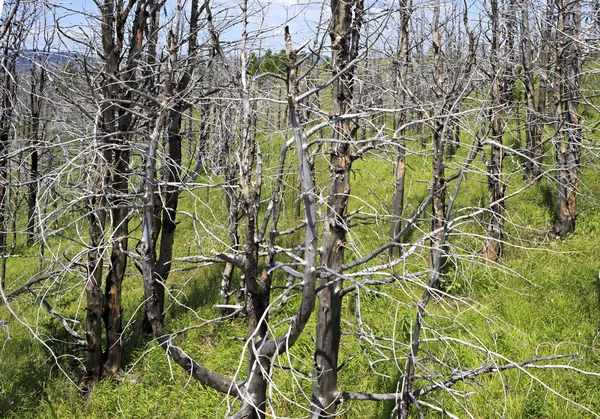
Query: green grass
(542,300)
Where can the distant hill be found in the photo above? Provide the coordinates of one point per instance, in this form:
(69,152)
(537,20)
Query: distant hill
(60,58)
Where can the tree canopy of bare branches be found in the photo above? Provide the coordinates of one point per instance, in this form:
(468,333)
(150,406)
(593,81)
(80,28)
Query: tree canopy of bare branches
(333,205)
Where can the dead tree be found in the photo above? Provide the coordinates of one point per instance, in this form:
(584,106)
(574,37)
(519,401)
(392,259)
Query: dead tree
(438,187)
(173,161)
(118,93)
(261,348)
(400,119)
(449,96)
(496,186)
(13,32)
(533,126)
(37,86)
(567,139)
(344,34)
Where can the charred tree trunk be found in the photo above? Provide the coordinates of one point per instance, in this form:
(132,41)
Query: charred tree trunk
(568,129)
(197,371)
(437,253)
(175,89)
(169,212)
(8,98)
(118,262)
(495,231)
(399,121)
(544,77)
(95,310)
(117,88)
(344,33)
(438,201)
(93,286)
(119,184)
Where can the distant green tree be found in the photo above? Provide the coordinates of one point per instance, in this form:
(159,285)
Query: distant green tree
(268,63)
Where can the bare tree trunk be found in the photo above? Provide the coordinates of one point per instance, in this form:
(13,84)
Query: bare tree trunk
(280,110)
(119,183)
(93,286)
(118,263)
(231,203)
(438,202)
(169,211)
(232,206)
(174,88)
(493,244)
(204,137)
(151,76)
(257,288)
(111,184)
(197,371)
(8,97)
(38,79)
(568,129)
(437,256)
(544,71)
(344,33)
(532,123)
(96,309)
(399,121)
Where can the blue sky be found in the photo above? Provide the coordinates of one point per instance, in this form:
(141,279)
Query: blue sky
(270,17)
(79,17)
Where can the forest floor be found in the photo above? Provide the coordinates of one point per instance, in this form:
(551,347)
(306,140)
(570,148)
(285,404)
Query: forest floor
(542,299)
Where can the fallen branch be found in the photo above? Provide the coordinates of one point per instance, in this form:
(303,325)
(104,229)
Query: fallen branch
(487,369)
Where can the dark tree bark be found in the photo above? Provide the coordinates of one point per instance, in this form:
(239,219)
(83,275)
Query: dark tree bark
(197,371)
(438,201)
(344,34)
(544,70)
(400,121)
(166,222)
(568,129)
(105,127)
(6,113)
(118,88)
(125,98)
(173,163)
(93,285)
(261,349)
(13,32)
(152,281)
(495,230)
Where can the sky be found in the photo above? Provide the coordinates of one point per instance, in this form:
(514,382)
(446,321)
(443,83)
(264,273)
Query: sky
(270,17)
(78,18)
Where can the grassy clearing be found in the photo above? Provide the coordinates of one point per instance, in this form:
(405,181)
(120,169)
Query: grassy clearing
(542,300)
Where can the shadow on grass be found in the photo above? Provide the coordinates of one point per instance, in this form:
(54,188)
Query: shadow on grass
(199,292)
(26,371)
(547,195)
(388,408)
